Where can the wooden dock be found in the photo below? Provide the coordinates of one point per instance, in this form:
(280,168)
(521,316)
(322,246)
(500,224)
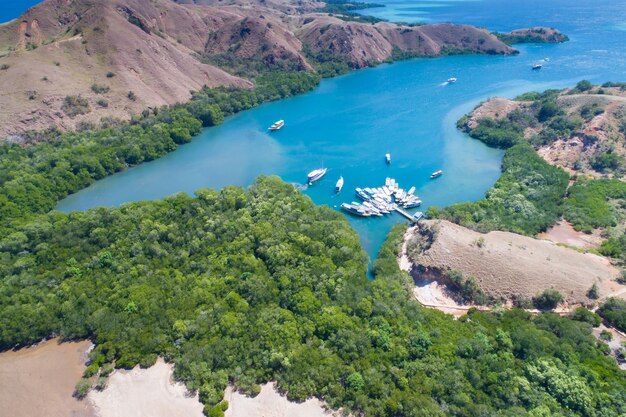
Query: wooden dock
(412,217)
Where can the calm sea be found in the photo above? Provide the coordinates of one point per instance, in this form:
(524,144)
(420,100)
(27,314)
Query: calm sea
(348,123)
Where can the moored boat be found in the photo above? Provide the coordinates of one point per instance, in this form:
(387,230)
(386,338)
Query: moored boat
(436,174)
(277,125)
(413,203)
(362,194)
(356,209)
(339,185)
(316,174)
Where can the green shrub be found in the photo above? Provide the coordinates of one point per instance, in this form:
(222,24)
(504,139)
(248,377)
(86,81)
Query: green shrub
(584,85)
(100,89)
(606,335)
(607,161)
(593,204)
(75,105)
(613,311)
(594,292)
(586,316)
(547,300)
(548,110)
(82,388)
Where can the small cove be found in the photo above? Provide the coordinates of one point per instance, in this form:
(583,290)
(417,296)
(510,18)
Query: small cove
(348,123)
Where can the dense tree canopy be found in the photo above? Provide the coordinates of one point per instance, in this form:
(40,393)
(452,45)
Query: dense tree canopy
(245,287)
(526,199)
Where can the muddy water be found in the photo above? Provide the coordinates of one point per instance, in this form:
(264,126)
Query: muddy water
(39,381)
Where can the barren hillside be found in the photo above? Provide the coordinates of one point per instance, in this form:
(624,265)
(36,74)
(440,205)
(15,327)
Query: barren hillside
(506,265)
(102,50)
(588,127)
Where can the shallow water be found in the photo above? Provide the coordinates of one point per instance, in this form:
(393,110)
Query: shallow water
(348,123)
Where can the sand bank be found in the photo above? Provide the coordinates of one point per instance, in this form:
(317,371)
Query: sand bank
(269,403)
(145,393)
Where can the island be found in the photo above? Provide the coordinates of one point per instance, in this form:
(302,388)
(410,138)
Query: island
(532,35)
(258,292)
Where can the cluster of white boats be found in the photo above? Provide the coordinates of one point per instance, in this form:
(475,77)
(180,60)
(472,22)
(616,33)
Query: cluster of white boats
(375,201)
(382,200)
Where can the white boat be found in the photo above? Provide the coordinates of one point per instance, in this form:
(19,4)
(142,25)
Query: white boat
(436,174)
(451,80)
(388,157)
(277,126)
(356,209)
(339,185)
(537,66)
(316,174)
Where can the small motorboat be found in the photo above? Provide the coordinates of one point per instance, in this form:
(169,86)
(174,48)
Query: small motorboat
(388,158)
(537,66)
(277,125)
(339,185)
(436,174)
(451,80)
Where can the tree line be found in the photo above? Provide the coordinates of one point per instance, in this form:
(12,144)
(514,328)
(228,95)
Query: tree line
(247,286)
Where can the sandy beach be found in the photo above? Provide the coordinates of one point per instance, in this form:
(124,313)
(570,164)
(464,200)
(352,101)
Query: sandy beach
(269,403)
(145,393)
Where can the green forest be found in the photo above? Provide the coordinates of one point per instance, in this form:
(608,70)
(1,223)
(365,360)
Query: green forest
(33,178)
(526,199)
(248,286)
(244,286)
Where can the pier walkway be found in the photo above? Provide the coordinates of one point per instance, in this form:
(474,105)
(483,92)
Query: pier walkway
(412,217)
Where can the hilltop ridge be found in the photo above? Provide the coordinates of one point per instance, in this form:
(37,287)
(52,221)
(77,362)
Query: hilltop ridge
(114,58)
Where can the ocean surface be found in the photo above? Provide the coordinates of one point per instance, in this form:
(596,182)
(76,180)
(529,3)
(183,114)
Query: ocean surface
(348,123)
(10,9)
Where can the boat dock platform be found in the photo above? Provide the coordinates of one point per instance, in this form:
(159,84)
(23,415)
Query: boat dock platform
(412,217)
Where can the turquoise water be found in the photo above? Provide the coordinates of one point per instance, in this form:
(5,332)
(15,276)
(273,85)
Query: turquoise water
(348,123)
(10,9)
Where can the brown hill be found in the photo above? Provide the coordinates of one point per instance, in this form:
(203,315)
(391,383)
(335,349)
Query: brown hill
(365,44)
(98,51)
(62,47)
(507,266)
(598,126)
